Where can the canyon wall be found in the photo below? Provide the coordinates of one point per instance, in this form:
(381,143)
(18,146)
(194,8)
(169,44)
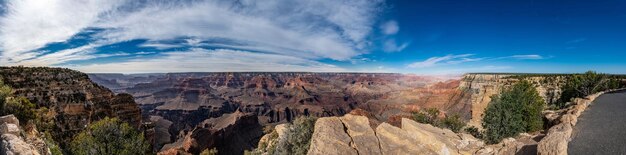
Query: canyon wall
(75,101)
(179,102)
(483,86)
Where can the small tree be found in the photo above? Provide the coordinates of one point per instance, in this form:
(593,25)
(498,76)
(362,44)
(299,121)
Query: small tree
(427,116)
(581,85)
(514,111)
(453,123)
(109,136)
(297,137)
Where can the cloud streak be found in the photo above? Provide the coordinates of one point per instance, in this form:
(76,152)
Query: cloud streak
(202,60)
(309,30)
(452,59)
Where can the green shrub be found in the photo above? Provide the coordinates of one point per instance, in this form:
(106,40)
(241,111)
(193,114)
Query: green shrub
(474,132)
(23,109)
(209,152)
(109,136)
(453,123)
(297,138)
(52,145)
(431,116)
(581,85)
(427,116)
(514,111)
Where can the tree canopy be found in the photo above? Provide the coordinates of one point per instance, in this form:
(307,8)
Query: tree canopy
(515,110)
(109,136)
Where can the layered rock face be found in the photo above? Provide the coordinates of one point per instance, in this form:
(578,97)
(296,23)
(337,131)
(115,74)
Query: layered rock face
(231,133)
(187,99)
(74,99)
(12,143)
(484,85)
(352,134)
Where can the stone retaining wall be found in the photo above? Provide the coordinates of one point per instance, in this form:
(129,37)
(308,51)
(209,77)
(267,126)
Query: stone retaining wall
(559,135)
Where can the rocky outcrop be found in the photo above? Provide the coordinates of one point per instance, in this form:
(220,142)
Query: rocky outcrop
(352,134)
(483,86)
(74,99)
(187,99)
(230,134)
(12,143)
(330,137)
(558,136)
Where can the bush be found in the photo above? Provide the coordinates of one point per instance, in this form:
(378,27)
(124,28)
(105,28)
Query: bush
(581,85)
(209,152)
(52,145)
(474,132)
(431,116)
(297,138)
(453,123)
(427,116)
(109,136)
(23,109)
(514,111)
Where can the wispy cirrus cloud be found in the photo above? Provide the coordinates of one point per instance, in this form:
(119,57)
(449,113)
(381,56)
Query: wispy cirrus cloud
(526,57)
(463,58)
(448,59)
(202,60)
(309,29)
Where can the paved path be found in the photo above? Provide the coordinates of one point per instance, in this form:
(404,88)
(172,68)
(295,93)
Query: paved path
(601,129)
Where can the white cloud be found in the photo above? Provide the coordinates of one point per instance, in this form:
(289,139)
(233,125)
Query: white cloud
(202,60)
(307,29)
(391,45)
(390,28)
(525,57)
(31,24)
(448,59)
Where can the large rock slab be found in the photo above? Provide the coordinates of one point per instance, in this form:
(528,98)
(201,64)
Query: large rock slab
(9,129)
(329,137)
(13,145)
(9,119)
(394,140)
(556,141)
(442,141)
(363,137)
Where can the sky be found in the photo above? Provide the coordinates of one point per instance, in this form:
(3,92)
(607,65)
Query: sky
(400,36)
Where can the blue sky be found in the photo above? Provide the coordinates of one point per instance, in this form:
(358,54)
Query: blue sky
(404,36)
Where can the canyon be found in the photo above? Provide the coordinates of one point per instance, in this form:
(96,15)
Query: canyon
(73,100)
(180,104)
(191,112)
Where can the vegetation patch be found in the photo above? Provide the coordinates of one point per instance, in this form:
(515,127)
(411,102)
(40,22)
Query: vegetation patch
(515,110)
(431,116)
(109,136)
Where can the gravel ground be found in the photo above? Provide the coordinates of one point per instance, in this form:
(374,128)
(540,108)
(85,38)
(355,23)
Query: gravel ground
(601,129)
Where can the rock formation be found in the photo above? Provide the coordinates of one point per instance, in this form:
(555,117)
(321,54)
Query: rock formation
(12,143)
(352,134)
(187,99)
(74,99)
(230,133)
(483,86)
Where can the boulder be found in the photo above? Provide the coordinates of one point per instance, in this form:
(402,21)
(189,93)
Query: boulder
(556,141)
(9,129)
(394,140)
(363,136)
(329,137)
(14,145)
(9,119)
(442,141)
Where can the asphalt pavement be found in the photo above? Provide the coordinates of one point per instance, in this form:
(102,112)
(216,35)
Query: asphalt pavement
(601,129)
